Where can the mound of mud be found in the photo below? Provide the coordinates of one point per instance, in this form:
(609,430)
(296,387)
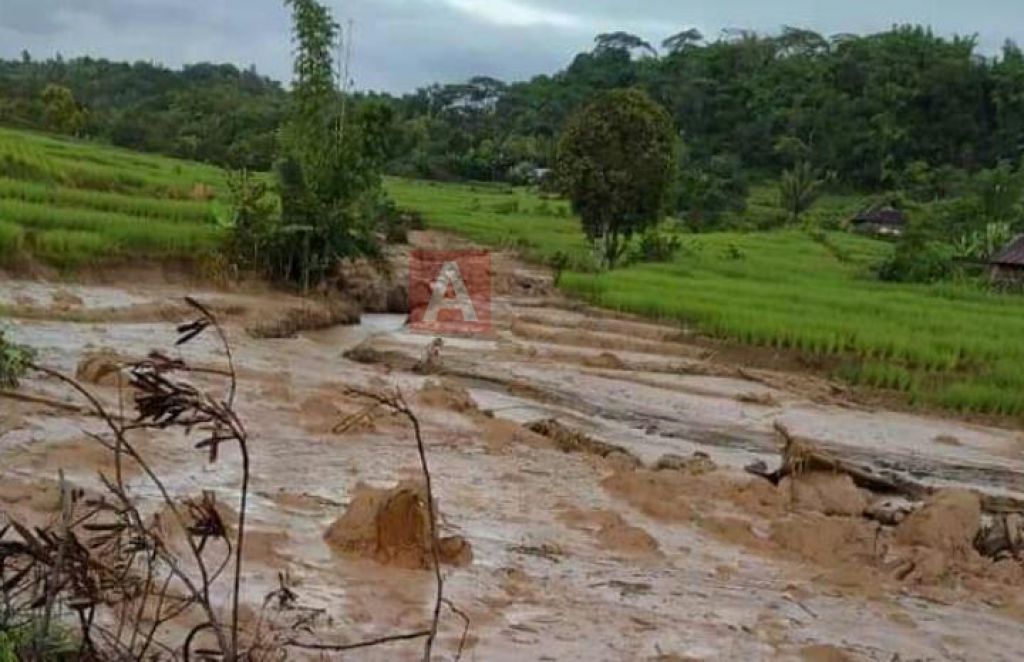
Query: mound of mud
(949,521)
(99,368)
(392,527)
(310,316)
(612,531)
(827,540)
(697,464)
(568,440)
(825,493)
(446,395)
(605,360)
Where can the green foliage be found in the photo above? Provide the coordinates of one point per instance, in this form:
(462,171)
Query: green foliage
(327,174)
(616,161)
(917,258)
(14,361)
(252,221)
(708,190)
(27,643)
(983,244)
(799,188)
(654,245)
(214,113)
(60,111)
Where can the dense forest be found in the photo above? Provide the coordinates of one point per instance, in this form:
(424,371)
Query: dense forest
(903,110)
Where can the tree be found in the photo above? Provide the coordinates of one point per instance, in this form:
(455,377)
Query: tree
(622,41)
(799,189)
(682,40)
(616,161)
(60,110)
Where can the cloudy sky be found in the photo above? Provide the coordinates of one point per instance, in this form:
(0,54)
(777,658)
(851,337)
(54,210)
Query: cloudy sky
(402,44)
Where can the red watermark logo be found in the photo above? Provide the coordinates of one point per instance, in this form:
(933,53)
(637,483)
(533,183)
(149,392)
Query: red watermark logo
(450,292)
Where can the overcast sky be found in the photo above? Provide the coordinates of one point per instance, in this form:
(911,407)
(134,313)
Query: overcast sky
(403,44)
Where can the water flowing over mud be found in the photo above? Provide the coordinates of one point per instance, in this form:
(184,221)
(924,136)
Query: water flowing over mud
(592,465)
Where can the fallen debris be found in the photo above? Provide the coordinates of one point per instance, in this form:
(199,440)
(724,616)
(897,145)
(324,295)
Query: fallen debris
(392,527)
(444,394)
(431,363)
(949,521)
(310,316)
(800,456)
(697,464)
(100,368)
(1001,535)
(548,551)
(764,399)
(568,440)
(825,493)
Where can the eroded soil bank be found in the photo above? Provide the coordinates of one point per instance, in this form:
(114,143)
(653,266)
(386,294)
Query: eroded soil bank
(590,545)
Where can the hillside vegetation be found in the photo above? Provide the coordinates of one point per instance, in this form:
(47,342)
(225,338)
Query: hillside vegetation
(953,345)
(70,203)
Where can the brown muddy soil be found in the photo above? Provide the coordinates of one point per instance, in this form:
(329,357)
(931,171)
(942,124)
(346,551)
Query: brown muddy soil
(576,552)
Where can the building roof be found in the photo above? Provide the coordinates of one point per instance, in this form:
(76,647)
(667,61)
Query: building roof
(881,216)
(1012,254)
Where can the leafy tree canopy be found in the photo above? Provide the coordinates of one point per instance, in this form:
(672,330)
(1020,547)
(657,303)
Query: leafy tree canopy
(616,161)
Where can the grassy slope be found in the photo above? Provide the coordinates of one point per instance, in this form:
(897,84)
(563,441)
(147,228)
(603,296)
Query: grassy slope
(953,345)
(72,203)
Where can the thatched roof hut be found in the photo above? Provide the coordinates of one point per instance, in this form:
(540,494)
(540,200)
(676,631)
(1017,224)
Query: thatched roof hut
(1008,264)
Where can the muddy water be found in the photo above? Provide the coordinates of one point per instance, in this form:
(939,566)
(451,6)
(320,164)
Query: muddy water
(546,582)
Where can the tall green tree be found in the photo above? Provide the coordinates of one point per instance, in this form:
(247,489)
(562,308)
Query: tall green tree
(617,162)
(329,171)
(61,111)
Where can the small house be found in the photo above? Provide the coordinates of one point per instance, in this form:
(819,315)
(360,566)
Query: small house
(880,222)
(1007,266)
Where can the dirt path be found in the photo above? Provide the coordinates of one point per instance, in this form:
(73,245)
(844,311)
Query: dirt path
(575,556)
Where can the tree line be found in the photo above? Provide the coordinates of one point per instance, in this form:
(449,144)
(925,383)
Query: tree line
(876,110)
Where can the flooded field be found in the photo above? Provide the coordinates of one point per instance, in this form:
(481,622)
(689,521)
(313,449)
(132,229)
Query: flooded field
(651,543)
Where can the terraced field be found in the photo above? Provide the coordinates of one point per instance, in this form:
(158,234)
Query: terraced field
(955,345)
(72,203)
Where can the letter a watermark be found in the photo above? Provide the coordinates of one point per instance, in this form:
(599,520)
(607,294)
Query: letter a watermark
(450,292)
(450,277)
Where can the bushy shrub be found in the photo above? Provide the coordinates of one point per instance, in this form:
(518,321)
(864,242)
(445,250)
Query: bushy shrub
(14,361)
(917,258)
(655,246)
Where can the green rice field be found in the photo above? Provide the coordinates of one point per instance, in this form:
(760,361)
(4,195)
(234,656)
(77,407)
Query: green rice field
(957,346)
(72,203)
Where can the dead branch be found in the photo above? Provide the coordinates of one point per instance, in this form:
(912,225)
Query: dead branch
(395,401)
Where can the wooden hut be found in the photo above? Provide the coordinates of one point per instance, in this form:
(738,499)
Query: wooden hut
(1007,266)
(880,221)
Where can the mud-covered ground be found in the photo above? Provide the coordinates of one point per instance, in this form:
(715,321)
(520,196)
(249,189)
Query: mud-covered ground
(576,555)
